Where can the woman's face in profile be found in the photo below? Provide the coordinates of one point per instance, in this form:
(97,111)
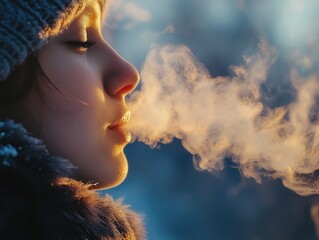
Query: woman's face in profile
(82,114)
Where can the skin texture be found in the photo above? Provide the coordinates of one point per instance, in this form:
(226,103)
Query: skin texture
(74,119)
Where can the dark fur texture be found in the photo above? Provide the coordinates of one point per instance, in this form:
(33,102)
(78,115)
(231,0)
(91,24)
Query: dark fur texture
(39,198)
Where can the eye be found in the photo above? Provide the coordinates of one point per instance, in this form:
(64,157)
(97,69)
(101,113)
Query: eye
(81,46)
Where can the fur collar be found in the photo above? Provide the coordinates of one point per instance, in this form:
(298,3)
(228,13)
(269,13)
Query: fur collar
(39,199)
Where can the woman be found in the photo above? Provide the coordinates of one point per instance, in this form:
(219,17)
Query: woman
(66,86)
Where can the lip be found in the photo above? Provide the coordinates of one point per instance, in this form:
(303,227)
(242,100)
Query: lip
(123,135)
(122,121)
(118,128)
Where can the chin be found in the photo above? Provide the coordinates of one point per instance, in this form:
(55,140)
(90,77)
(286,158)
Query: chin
(113,175)
(110,184)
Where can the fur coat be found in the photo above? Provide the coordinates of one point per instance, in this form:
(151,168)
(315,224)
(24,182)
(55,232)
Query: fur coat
(39,199)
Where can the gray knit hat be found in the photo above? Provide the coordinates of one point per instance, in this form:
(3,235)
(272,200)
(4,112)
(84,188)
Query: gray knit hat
(26,25)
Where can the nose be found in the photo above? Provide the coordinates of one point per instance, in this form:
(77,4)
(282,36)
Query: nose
(119,76)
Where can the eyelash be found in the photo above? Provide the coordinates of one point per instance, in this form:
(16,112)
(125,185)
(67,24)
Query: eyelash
(82,46)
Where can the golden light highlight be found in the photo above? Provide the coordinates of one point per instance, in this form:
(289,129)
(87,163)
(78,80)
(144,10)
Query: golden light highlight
(100,95)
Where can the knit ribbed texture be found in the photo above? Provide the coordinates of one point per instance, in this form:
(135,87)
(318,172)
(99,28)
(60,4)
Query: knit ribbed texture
(26,25)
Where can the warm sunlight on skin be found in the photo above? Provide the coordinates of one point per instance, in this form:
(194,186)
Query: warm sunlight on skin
(83,121)
(100,94)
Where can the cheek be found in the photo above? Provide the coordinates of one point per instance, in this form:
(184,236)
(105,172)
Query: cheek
(79,134)
(71,73)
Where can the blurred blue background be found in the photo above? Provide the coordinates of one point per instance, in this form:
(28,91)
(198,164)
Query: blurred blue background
(178,201)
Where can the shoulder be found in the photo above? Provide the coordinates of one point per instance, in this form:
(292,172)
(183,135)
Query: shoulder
(40,199)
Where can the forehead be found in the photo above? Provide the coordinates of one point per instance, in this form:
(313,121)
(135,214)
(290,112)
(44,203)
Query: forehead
(96,9)
(102,5)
